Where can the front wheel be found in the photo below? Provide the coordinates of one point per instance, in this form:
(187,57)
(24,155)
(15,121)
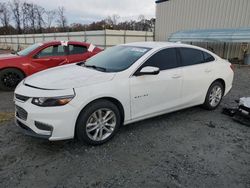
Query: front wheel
(98,122)
(214,96)
(9,78)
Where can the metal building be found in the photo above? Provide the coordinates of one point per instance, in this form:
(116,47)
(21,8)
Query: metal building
(181,15)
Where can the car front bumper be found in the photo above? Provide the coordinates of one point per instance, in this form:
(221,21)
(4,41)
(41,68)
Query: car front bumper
(52,123)
(28,131)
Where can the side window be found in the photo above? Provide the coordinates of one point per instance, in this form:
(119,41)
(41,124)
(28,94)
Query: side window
(46,52)
(77,49)
(56,50)
(164,59)
(59,50)
(191,56)
(208,57)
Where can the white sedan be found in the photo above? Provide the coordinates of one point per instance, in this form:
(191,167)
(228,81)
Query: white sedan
(121,85)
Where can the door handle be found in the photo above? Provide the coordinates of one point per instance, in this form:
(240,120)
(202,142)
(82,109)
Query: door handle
(176,76)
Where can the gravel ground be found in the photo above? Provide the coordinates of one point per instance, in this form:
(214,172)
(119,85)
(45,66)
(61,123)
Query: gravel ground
(188,148)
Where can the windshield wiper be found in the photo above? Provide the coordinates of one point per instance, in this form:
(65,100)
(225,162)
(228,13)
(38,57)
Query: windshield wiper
(81,63)
(96,67)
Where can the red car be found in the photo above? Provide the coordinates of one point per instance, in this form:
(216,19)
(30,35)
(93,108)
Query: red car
(41,56)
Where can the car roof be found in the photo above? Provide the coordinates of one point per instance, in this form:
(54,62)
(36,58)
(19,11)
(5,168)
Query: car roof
(160,44)
(58,41)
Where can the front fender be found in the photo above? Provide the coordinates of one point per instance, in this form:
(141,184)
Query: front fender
(120,92)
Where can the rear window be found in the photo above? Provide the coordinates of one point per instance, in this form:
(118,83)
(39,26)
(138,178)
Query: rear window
(191,56)
(208,57)
(77,49)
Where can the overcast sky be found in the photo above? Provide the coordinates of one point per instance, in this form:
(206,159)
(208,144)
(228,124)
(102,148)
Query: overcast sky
(86,11)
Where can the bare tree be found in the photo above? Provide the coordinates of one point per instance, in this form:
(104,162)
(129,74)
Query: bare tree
(32,16)
(142,21)
(112,21)
(108,22)
(49,17)
(4,15)
(25,17)
(141,17)
(40,21)
(115,18)
(62,21)
(16,10)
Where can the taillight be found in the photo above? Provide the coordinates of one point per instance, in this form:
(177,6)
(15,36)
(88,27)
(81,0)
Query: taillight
(232,67)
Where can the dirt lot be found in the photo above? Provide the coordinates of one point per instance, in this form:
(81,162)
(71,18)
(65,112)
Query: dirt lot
(189,148)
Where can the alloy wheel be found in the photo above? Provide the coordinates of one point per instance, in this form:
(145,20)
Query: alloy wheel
(11,79)
(215,96)
(101,124)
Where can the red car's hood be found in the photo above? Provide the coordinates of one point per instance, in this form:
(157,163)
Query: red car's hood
(8,56)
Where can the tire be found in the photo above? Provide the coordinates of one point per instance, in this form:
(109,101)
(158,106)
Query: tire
(214,96)
(9,78)
(90,126)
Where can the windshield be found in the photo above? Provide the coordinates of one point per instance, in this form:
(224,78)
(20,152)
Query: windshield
(117,58)
(26,51)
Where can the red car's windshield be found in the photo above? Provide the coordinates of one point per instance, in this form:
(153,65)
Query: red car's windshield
(26,51)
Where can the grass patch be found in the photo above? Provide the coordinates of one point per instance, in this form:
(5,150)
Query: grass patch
(6,116)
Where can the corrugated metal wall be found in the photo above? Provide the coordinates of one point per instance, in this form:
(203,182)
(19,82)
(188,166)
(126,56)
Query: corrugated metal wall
(176,15)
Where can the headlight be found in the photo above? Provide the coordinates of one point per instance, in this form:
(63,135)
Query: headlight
(52,101)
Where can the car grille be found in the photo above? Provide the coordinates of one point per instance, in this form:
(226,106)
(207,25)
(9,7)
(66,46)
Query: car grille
(21,97)
(21,113)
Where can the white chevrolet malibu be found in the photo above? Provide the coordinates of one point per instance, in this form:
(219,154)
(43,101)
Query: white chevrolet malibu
(120,85)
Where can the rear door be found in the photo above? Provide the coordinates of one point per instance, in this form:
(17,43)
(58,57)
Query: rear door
(77,53)
(157,93)
(198,71)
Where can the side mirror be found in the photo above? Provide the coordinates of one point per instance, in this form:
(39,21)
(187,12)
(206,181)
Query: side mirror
(148,70)
(35,56)
(13,52)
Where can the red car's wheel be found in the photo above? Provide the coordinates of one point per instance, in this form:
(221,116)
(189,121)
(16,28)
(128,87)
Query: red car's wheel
(9,78)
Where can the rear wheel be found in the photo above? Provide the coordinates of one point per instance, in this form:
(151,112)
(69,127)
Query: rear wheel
(9,78)
(98,123)
(214,96)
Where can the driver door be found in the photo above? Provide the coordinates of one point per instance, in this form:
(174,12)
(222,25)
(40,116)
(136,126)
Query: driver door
(152,94)
(49,57)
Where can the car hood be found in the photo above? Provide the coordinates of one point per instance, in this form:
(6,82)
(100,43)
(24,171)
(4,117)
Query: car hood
(67,76)
(8,56)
